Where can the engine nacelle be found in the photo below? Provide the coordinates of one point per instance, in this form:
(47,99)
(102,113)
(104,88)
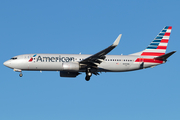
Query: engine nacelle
(68,74)
(70,66)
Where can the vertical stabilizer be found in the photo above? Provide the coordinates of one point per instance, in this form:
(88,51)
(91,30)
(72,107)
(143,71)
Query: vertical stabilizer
(158,46)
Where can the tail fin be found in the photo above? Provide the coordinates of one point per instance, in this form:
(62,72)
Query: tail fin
(158,45)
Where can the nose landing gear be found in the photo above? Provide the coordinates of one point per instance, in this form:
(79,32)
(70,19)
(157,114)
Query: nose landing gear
(20,75)
(18,70)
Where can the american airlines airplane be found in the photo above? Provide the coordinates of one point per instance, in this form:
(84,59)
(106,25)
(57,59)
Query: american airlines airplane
(71,65)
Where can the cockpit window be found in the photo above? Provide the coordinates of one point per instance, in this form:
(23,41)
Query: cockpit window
(14,58)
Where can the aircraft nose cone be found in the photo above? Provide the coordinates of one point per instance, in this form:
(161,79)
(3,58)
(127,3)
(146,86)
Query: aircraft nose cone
(7,63)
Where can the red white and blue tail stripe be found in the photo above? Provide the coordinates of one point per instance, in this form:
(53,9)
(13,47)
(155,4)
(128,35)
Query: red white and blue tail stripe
(156,48)
(159,44)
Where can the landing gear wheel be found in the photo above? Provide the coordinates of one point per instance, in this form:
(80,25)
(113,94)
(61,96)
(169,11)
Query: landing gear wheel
(20,75)
(88,74)
(87,78)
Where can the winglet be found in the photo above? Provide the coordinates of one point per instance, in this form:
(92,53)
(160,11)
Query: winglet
(116,42)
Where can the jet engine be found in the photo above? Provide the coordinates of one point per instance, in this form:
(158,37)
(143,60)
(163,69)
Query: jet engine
(70,66)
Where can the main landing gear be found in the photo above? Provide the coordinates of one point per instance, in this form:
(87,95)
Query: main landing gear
(88,74)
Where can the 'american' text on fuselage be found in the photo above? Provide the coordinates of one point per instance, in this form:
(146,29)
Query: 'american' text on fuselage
(55,59)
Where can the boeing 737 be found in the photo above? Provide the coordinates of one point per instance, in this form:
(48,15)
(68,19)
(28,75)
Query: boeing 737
(71,65)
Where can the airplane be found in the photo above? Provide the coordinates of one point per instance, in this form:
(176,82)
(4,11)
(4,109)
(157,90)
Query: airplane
(71,65)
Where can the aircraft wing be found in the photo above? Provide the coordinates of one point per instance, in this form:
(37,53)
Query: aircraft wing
(97,58)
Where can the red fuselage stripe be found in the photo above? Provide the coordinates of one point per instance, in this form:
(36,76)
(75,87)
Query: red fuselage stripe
(149,60)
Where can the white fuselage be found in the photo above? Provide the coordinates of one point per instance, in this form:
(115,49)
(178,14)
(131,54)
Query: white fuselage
(54,62)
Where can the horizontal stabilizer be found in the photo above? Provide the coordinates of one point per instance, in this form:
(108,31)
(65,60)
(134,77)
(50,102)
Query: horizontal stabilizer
(165,56)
